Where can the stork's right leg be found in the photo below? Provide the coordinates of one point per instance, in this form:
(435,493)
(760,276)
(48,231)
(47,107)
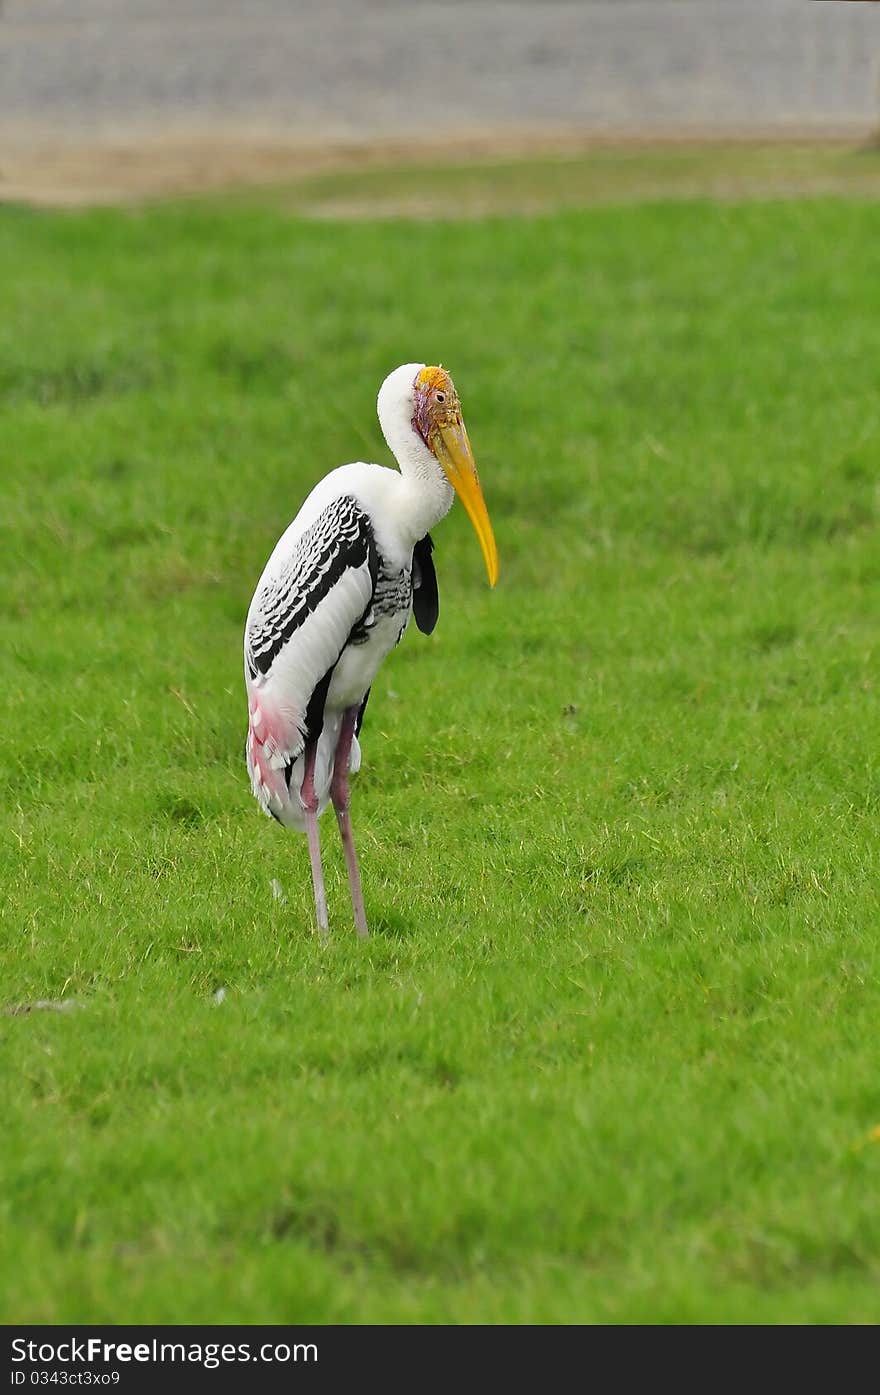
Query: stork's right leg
(309,800)
(341,796)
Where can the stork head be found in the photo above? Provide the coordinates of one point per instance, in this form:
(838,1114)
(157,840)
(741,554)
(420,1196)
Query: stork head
(430,399)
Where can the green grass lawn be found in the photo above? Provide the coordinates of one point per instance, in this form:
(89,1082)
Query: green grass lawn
(611,1053)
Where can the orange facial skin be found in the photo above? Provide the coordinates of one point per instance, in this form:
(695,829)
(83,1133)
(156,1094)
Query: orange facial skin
(436,402)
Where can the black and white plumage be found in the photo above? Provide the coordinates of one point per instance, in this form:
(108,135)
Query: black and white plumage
(336,596)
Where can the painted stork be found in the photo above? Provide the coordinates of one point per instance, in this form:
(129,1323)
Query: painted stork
(336,596)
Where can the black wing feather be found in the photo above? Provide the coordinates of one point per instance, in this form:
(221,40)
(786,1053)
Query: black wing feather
(426,600)
(360,716)
(341,538)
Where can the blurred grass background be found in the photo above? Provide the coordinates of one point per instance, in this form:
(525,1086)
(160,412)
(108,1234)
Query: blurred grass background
(610,1052)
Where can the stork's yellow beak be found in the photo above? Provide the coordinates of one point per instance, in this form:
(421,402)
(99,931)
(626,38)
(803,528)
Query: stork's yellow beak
(449,442)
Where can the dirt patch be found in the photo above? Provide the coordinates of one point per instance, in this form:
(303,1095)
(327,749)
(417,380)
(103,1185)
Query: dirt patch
(71,175)
(137,170)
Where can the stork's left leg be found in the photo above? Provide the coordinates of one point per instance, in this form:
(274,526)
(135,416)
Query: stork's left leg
(341,796)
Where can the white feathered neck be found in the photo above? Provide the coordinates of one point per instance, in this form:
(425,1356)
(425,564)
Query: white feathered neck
(426,495)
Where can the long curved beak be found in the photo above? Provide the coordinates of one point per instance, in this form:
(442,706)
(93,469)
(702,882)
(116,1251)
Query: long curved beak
(452,448)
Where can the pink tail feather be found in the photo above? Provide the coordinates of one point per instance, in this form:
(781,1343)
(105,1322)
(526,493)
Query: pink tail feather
(274,741)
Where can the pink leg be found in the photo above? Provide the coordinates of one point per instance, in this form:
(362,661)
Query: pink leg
(341,796)
(309,801)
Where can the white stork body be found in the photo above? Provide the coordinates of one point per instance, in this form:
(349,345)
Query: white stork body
(358,498)
(335,597)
